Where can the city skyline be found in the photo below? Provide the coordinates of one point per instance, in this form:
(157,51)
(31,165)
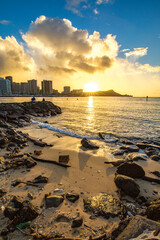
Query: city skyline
(100,44)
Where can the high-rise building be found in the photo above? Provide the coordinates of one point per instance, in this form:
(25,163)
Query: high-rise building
(24,88)
(5,87)
(32,86)
(10,79)
(16,88)
(67,90)
(46,87)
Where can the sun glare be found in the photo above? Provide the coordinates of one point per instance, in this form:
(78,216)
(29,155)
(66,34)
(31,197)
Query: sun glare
(91,87)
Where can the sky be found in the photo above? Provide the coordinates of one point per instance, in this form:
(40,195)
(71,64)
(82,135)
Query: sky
(111,44)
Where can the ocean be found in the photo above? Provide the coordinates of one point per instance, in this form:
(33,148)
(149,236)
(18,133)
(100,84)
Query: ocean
(87,116)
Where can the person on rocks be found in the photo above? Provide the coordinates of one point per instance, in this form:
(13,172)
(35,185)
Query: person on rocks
(33,99)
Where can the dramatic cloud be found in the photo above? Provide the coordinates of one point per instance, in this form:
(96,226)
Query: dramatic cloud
(58,47)
(4,22)
(149,68)
(138,52)
(12,56)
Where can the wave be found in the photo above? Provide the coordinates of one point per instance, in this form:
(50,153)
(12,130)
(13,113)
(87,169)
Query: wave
(64,131)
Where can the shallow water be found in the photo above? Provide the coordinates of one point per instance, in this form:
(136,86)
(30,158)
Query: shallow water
(123,116)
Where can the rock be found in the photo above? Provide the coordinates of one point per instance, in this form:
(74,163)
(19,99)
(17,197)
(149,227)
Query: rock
(29,162)
(27,212)
(141,145)
(135,227)
(155,157)
(153,210)
(30,195)
(2,192)
(127,185)
(39,143)
(53,201)
(17,201)
(157,173)
(10,212)
(130,148)
(104,205)
(62,218)
(127,142)
(64,158)
(132,170)
(88,144)
(151,152)
(118,152)
(40,179)
(137,157)
(77,222)
(72,197)
(37,152)
(3,140)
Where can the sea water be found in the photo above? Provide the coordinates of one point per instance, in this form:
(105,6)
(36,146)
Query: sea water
(87,116)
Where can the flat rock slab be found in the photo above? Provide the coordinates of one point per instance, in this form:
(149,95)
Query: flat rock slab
(54,201)
(131,170)
(137,157)
(130,148)
(104,205)
(136,227)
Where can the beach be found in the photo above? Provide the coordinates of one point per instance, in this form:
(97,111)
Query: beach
(86,177)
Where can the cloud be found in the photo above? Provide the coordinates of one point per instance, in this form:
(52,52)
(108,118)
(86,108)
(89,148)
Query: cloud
(73,5)
(149,68)
(96,11)
(125,50)
(13,58)
(138,52)
(102,1)
(4,22)
(57,46)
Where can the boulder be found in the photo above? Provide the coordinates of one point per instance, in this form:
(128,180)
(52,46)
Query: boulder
(136,157)
(104,205)
(141,145)
(130,169)
(153,210)
(127,185)
(54,201)
(130,148)
(10,212)
(72,197)
(40,179)
(155,157)
(64,158)
(29,162)
(135,227)
(77,222)
(118,152)
(88,144)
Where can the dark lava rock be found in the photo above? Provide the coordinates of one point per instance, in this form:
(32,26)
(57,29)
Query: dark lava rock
(77,222)
(132,170)
(88,144)
(2,192)
(153,210)
(17,201)
(136,157)
(64,158)
(130,148)
(127,185)
(53,201)
(3,140)
(27,212)
(118,152)
(135,227)
(151,152)
(39,143)
(29,162)
(72,197)
(40,179)
(104,205)
(155,157)
(157,173)
(141,145)
(10,212)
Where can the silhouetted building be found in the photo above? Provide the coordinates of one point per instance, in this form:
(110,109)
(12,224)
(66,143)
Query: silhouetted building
(24,88)
(10,79)
(16,88)
(5,87)
(77,91)
(32,86)
(46,87)
(66,90)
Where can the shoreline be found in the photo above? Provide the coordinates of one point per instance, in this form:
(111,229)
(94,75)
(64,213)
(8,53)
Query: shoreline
(87,177)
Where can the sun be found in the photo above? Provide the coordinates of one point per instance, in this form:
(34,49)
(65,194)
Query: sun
(91,87)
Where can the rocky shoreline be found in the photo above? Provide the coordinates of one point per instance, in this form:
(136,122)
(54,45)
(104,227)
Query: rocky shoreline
(138,216)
